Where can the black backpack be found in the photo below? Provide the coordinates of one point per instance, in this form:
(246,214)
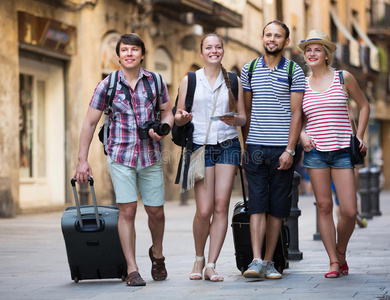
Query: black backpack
(182,135)
(104,131)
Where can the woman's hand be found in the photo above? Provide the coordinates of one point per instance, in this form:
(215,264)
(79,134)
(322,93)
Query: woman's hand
(184,117)
(306,142)
(229,120)
(362,146)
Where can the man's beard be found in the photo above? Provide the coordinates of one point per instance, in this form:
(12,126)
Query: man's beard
(274,52)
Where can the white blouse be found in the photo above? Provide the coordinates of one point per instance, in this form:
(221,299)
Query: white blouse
(202,109)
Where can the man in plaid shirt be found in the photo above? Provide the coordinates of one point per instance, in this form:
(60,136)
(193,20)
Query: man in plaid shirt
(133,162)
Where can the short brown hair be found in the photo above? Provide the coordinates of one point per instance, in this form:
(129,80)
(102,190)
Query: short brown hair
(130,39)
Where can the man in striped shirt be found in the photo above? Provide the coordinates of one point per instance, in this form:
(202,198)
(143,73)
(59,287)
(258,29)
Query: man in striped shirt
(274,111)
(134,161)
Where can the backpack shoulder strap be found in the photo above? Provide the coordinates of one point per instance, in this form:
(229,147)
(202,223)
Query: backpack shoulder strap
(251,69)
(112,81)
(110,94)
(158,84)
(341,77)
(290,71)
(190,90)
(233,84)
(147,87)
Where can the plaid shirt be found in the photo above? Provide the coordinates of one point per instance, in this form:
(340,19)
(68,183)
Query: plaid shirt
(124,145)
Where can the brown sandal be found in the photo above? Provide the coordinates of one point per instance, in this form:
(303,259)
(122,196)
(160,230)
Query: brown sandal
(159,272)
(135,279)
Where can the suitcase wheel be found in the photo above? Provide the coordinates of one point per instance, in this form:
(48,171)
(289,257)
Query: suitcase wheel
(123,277)
(280,269)
(76,279)
(242,270)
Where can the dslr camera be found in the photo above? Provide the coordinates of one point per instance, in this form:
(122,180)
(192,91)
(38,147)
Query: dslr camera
(158,127)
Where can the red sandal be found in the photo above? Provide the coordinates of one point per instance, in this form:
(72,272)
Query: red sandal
(333,274)
(344,269)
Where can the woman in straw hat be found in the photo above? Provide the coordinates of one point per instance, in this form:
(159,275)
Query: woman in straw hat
(325,138)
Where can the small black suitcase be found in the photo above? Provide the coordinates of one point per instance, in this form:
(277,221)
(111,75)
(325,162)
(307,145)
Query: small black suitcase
(92,241)
(242,237)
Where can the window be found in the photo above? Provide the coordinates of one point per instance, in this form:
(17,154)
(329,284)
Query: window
(32,127)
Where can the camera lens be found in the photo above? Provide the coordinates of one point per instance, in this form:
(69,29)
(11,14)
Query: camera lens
(162,128)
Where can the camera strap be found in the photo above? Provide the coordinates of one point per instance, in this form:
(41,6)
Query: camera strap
(157,80)
(125,89)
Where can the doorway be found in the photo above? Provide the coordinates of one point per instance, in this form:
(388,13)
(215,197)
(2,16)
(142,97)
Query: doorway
(41,133)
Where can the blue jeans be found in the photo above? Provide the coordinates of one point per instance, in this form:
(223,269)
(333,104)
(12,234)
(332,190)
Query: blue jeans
(227,152)
(338,159)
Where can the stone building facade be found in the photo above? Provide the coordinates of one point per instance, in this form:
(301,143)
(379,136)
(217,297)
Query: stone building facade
(54,52)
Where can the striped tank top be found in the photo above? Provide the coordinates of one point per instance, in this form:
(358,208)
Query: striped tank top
(327,116)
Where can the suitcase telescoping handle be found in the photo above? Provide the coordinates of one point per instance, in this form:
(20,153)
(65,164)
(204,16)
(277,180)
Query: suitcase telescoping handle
(76,199)
(243,188)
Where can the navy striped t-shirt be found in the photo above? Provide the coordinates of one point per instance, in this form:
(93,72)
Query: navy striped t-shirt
(271,113)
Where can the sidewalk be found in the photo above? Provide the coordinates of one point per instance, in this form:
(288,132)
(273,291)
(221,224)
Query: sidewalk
(33,262)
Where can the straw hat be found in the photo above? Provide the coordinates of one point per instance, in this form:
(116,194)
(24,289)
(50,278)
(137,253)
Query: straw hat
(317,37)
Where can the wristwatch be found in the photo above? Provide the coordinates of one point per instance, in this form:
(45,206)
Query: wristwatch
(291,152)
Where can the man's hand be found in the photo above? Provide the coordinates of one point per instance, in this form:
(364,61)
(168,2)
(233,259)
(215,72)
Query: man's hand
(153,135)
(285,161)
(83,170)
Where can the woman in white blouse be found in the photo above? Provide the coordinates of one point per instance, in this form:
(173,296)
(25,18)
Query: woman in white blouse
(223,151)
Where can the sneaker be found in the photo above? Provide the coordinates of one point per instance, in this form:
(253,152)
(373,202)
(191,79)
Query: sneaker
(270,272)
(255,269)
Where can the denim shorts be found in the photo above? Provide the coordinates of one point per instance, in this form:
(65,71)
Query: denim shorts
(149,181)
(338,159)
(227,152)
(269,188)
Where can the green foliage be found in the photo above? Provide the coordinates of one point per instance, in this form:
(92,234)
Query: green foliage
(383,59)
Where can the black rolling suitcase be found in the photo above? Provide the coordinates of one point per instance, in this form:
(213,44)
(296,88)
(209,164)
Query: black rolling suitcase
(242,237)
(92,241)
